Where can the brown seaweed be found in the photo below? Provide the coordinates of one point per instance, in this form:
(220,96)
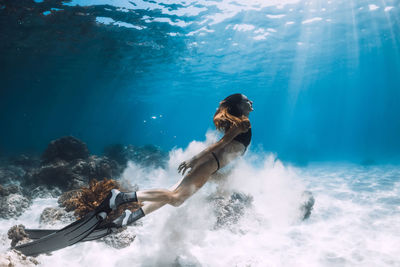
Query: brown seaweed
(88,198)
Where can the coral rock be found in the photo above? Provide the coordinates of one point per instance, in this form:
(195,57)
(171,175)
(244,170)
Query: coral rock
(97,168)
(230,210)
(120,240)
(307,204)
(16,258)
(13,205)
(11,189)
(66,148)
(74,175)
(57,174)
(42,191)
(17,234)
(25,161)
(11,174)
(53,216)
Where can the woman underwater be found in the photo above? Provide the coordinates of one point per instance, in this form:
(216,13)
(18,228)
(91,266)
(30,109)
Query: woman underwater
(231,118)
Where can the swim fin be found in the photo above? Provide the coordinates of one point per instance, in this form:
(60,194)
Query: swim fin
(39,233)
(64,237)
(97,233)
(101,230)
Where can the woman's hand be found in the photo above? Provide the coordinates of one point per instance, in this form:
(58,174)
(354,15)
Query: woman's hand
(191,164)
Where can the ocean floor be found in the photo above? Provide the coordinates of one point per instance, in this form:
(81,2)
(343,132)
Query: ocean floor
(251,216)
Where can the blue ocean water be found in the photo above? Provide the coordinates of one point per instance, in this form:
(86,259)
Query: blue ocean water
(323,75)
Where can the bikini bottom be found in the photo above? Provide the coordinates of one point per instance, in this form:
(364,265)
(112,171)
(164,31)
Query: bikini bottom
(216,158)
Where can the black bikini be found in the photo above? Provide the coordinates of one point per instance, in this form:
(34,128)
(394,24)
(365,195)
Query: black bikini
(243,138)
(215,156)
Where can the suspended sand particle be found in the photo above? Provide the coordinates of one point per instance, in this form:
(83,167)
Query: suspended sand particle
(373,7)
(311,20)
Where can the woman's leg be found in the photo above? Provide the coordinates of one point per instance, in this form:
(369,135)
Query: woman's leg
(176,195)
(192,182)
(155,199)
(149,207)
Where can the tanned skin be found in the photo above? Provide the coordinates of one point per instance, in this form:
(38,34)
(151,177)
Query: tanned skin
(200,167)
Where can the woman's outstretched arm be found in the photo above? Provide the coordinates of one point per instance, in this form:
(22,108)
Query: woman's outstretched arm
(226,139)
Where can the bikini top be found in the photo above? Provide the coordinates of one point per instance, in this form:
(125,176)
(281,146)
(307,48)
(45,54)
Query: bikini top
(244,138)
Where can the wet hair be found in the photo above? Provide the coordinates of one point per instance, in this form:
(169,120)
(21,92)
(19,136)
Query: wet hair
(229,113)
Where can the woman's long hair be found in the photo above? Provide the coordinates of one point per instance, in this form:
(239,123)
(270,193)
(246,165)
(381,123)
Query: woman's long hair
(229,113)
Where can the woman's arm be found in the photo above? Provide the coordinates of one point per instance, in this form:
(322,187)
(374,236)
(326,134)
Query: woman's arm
(226,139)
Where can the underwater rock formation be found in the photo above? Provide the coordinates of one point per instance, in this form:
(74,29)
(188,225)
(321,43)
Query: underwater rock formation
(307,204)
(230,210)
(73,175)
(75,204)
(97,168)
(42,191)
(12,202)
(14,170)
(121,239)
(148,155)
(67,148)
(66,165)
(11,174)
(57,174)
(15,258)
(68,200)
(11,189)
(13,205)
(53,216)
(25,161)
(17,234)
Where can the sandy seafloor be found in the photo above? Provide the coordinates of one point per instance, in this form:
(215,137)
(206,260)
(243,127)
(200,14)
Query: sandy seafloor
(355,220)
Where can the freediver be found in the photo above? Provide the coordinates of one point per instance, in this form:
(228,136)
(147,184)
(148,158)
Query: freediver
(232,118)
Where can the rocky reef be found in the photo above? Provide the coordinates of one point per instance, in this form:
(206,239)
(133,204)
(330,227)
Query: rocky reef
(80,181)
(54,216)
(307,204)
(11,173)
(121,239)
(13,202)
(66,164)
(15,258)
(67,149)
(17,234)
(229,210)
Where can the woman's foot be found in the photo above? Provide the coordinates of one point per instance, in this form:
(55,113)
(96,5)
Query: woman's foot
(125,219)
(114,199)
(108,204)
(128,218)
